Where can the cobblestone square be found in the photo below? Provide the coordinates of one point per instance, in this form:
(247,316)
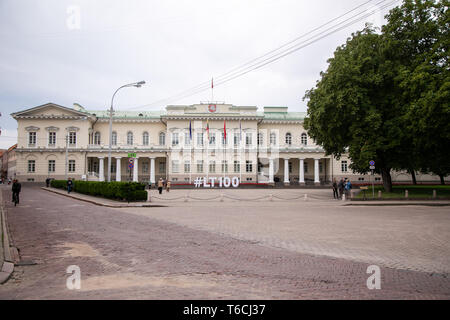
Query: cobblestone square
(229,247)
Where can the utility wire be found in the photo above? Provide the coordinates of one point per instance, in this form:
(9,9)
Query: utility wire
(272,56)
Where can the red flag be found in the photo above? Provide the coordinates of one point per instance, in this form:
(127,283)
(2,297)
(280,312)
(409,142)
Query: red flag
(212,83)
(225,130)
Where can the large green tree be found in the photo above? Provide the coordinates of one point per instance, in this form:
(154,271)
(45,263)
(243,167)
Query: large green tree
(422,30)
(354,107)
(385,96)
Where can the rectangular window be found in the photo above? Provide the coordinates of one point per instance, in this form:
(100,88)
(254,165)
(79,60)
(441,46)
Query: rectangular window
(162,167)
(225,166)
(273,139)
(212,139)
(224,141)
(145,167)
(212,167)
(248,139)
(71,165)
(237,139)
(260,139)
(175,166)
(51,165)
(199,139)
(200,166)
(175,139)
(32,138)
(237,166)
(344,166)
(248,166)
(72,138)
(31,165)
(113,167)
(187,166)
(360,179)
(51,139)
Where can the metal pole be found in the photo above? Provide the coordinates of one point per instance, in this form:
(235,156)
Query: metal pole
(373,190)
(67,153)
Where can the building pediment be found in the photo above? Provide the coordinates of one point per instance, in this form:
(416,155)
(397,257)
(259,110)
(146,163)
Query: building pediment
(49,111)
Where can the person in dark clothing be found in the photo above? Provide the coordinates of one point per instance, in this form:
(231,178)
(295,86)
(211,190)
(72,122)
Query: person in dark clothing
(16,188)
(69,185)
(47,182)
(341,188)
(335,190)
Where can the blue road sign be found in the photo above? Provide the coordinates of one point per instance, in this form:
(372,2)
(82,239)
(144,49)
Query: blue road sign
(372,163)
(131,164)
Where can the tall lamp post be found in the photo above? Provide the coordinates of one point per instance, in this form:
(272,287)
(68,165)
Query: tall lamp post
(111,111)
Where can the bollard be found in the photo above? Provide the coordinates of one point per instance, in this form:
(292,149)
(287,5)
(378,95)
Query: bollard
(306,197)
(270,197)
(434,194)
(379,194)
(149,199)
(343,197)
(406,194)
(221,197)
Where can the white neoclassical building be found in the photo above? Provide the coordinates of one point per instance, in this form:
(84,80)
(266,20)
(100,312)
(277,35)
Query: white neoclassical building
(180,144)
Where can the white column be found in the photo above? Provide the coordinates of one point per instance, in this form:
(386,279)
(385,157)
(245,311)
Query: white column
(286,170)
(302,172)
(316,171)
(101,175)
(135,169)
(118,167)
(271,170)
(152,170)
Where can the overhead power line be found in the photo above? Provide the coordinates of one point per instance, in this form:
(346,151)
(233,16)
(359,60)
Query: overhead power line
(281,51)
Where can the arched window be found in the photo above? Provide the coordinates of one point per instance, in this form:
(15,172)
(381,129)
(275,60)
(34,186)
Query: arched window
(97,138)
(273,138)
(288,139)
(145,138)
(162,139)
(304,139)
(114,138)
(129,138)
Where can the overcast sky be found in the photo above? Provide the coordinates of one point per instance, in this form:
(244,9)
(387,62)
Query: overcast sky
(47,56)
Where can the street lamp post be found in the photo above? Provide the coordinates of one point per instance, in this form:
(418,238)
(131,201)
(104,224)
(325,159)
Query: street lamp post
(111,111)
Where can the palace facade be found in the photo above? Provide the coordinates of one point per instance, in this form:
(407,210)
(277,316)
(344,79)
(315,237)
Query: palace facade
(178,144)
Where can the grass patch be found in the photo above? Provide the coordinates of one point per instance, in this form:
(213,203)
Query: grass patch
(414,192)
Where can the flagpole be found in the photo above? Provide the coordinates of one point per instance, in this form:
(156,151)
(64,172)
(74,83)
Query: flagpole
(212,90)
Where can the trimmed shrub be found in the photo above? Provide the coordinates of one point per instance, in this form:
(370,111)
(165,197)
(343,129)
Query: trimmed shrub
(128,191)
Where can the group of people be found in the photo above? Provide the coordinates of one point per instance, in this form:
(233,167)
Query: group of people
(343,187)
(163,183)
(5,181)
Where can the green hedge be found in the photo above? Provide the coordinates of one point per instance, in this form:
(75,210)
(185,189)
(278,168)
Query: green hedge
(129,191)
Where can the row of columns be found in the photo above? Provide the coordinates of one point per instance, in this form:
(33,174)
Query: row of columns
(118,169)
(301,169)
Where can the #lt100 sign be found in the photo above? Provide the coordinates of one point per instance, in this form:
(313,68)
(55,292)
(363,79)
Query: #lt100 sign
(221,182)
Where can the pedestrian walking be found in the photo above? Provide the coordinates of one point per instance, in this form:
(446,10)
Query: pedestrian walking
(335,189)
(47,182)
(16,188)
(160,185)
(348,189)
(168,186)
(341,188)
(69,185)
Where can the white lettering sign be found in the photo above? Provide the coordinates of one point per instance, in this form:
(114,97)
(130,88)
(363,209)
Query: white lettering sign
(212,182)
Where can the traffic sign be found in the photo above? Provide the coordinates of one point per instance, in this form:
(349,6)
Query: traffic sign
(372,163)
(372,167)
(131,155)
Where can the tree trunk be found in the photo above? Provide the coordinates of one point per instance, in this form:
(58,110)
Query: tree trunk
(413,175)
(387,182)
(442,179)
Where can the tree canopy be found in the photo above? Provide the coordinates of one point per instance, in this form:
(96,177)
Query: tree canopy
(384,97)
